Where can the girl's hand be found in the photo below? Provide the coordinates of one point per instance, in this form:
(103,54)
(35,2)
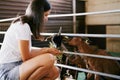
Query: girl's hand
(53,51)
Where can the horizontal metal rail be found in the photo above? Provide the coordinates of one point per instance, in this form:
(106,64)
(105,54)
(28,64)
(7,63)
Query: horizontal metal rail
(75,14)
(89,71)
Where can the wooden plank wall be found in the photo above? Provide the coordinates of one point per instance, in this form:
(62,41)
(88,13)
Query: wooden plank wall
(111,21)
(103,5)
(60,7)
(113,44)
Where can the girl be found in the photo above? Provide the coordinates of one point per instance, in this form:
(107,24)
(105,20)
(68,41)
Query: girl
(18,61)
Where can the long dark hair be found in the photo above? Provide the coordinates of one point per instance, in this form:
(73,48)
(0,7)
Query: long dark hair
(35,16)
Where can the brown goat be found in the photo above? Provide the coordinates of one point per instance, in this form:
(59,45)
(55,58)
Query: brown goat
(77,61)
(97,64)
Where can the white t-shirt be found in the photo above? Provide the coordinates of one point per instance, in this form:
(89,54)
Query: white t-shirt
(10,51)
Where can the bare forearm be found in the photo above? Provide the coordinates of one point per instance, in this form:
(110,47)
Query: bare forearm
(38,51)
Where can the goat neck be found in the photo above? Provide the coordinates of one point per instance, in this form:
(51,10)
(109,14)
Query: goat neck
(84,48)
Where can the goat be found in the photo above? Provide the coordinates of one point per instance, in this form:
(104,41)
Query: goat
(97,64)
(77,61)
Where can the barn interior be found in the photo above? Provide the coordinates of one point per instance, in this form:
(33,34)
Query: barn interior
(89,22)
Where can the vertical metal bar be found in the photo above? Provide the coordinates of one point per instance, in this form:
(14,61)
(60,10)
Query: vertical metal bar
(74,17)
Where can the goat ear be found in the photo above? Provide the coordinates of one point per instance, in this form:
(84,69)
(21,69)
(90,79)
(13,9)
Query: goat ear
(86,40)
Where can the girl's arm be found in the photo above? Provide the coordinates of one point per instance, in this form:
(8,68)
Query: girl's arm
(27,54)
(39,51)
(24,49)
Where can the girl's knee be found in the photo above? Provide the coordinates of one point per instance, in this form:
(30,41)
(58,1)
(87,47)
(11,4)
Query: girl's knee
(55,73)
(49,60)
